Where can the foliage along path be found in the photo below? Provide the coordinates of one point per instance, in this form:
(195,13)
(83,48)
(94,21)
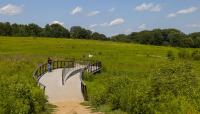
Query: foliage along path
(66,97)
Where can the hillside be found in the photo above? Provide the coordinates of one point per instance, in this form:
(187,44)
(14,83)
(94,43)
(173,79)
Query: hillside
(128,71)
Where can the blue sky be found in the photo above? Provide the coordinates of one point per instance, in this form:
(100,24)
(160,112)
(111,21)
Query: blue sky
(106,16)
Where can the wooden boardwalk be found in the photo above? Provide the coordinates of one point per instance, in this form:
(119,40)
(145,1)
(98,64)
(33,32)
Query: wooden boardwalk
(64,86)
(57,92)
(66,97)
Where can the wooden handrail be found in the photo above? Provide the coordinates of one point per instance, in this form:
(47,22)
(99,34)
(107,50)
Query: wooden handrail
(91,67)
(42,69)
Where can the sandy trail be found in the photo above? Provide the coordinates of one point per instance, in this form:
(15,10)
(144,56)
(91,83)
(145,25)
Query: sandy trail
(72,107)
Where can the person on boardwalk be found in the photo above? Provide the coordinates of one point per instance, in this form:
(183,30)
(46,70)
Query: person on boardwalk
(49,64)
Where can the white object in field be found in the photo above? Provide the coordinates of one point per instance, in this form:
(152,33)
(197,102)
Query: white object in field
(90,56)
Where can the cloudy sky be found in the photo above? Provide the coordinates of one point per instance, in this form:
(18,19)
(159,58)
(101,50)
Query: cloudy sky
(106,16)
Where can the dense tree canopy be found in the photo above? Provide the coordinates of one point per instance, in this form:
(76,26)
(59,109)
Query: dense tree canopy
(79,32)
(56,31)
(98,36)
(52,30)
(166,37)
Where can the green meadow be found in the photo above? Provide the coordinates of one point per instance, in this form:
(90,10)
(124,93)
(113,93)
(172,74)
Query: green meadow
(135,78)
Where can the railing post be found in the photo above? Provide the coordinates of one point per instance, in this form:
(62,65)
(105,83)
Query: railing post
(40,70)
(53,65)
(95,65)
(42,67)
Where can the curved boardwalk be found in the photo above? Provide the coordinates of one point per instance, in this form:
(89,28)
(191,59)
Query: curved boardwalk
(57,92)
(67,97)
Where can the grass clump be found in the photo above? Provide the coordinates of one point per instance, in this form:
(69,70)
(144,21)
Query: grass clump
(170,55)
(196,55)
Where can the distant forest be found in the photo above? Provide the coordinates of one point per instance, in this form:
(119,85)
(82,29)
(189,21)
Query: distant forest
(165,37)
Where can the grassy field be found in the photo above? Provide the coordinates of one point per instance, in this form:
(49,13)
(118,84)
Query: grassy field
(122,64)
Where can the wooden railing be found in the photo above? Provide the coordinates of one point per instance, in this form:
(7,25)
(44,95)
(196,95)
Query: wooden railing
(83,66)
(86,66)
(42,69)
(92,68)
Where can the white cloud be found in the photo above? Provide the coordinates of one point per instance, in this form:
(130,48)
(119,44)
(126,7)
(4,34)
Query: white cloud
(172,15)
(156,8)
(117,21)
(57,22)
(111,10)
(76,10)
(183,11)
(186,11)
(144,7)
(148,7)
(93,13)
(142,27)
(11,9)
(93,26)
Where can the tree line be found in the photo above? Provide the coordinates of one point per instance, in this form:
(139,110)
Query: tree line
(164,37)
(50,30)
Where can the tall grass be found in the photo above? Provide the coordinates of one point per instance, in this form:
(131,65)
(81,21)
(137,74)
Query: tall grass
(123,85)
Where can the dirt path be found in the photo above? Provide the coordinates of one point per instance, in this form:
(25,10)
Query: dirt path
(72,107)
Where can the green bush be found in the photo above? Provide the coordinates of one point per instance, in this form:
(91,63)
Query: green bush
(171,89)
(184,54)
(175,86)
(19,93)
(170,55)
(196,55)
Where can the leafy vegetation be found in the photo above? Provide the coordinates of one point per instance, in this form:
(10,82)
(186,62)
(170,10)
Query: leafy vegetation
(170,90)
(135,78)
(165,37)
(19,93)
(52,30)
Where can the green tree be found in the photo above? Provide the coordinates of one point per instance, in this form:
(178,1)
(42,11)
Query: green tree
(98,36)
(56,30)
(187,42)
(79,32)
(5,29)
(19,30)
(120,37)
(34,30)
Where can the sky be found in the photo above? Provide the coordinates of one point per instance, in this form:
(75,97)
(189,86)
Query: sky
(110,17)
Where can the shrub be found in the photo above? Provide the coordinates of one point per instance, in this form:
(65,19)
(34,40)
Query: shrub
(184,54)
(19,93)
(172,89)
(196,55)
(170,85)
(170,55)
